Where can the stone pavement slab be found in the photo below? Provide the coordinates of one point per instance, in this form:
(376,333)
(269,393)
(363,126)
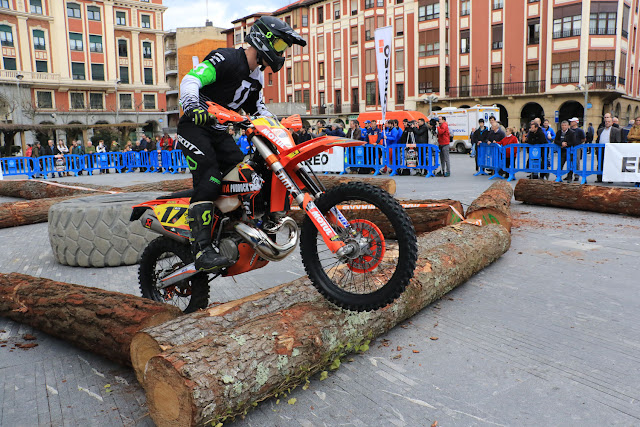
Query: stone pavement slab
(547,335)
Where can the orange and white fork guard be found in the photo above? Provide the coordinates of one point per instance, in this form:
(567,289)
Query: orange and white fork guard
(331,239)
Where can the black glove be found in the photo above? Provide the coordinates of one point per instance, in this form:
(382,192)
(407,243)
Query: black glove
(200,116)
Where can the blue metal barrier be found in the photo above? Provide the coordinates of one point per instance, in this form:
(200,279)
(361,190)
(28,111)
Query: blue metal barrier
(136,159)
(18,166)
(587,159)
(366,156)
(490,156)
(427,158)
(176,160)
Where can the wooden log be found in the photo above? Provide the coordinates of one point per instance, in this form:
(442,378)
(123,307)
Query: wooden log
(426,215)
(595,198)
(34,189)
(13,214)
(237,362)
(93,319)
(493,206)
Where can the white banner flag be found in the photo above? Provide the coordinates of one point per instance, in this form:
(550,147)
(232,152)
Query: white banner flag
(383,61)
(621,163)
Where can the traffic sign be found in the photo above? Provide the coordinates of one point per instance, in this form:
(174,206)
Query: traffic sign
(557,116)
(589,105)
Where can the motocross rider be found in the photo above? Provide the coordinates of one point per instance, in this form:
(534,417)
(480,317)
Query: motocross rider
(233,79)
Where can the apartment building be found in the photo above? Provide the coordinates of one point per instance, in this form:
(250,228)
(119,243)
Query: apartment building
(530,57)
(81,61)
(181,47)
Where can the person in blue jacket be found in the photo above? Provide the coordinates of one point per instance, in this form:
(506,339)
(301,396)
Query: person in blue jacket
(548,132)
(243,144)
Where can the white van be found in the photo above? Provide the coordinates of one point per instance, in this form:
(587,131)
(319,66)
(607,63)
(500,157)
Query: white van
(462,120)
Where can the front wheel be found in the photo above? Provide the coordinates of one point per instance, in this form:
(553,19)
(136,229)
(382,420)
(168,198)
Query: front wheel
(379,270)
(161,257)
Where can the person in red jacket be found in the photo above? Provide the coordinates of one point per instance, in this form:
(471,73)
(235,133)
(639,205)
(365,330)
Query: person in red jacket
(508,140)
(444,138)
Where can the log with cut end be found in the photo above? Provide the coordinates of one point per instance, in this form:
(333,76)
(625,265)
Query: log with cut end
(237,362)
(13,214)
(493,206)
(33,189)
(99,321)
(426,215)
(595,198)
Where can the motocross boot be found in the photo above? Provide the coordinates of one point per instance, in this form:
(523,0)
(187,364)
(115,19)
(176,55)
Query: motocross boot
(207,255)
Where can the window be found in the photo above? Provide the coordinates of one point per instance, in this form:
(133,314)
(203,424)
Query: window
(289,79)
(354,7)
(600,69)
(496,81)
(428,11)
(73,10)
(368,28)
(77,70)
(602,20)
(296,19)
(149,102)
(354,35)
(428,43)
(428,80)
(75,41)
(354,66)
(146,50)
(320,44)
(297,71)
(148,76)
(305,20)
(122,48)
(97,72)
(625,21)
(305,71)
(44,99)
(36,6)
(336,40)
(126,102)
(321,71)
(96,101)
(270,80)
(77,100)
(39,42)
(287,20)
(289,98)
(355,99)
(465,7)
(146,21)
(566,72)
(399,93)
(298,95)
(6,35)
(336,10)
(320,14)
(121,18)
(498,4)
(371,93)
(399,26)
(95,44)
(567,21)
(321,101)
(10,64)
(306,98)
(399,60)
(465,45)
(496,32)
(369,61)
(533,31)
(337,69)
(42,67)
(4,3)
(238,38)
(623,67)
(93,13)
(368,4)
(124,75)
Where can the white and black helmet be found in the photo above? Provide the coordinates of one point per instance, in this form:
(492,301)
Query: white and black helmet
(271,37)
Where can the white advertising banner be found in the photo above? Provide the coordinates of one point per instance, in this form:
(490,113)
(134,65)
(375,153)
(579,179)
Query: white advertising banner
(383,62)
(331,160)
(621,163)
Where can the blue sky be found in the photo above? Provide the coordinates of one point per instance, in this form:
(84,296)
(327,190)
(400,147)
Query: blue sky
(193,13)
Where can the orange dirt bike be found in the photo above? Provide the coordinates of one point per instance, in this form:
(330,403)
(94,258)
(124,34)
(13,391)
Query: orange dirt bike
(346,255)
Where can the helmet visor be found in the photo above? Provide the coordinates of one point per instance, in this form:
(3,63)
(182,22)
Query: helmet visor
(279,45)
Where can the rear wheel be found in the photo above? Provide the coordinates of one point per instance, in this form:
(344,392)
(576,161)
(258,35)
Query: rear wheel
(161,257)
(384,242)
(460,148)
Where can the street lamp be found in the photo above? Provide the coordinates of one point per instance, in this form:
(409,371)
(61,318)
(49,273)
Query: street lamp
(117,102)
(430,99)
(584,88)
(19,78)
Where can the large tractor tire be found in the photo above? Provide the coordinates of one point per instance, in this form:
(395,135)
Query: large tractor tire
(95,231)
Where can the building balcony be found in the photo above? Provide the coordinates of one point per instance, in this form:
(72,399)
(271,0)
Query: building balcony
(355,108)
(568,33)
(602,82)
(170,49)
(602,31)
(497,89)
(337,109)
(173,90)
(171,70)
(11,76)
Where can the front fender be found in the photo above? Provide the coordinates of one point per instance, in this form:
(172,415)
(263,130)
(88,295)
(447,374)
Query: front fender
(311,148)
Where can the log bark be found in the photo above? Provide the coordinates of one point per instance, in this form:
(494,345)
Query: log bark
(595,198)
(13,214)
(33,189)
(99,321)
(226,358)
(426,215)
(493,206)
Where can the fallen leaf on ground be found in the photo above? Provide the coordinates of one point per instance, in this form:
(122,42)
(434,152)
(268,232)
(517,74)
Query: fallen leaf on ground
(433,338)
(29,337)
(398,348)
(323,375)
(435,424)
(397,356)
(26,346)
(292,401)
(591,240)
(416,351)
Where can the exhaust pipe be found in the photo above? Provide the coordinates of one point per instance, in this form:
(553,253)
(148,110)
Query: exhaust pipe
(263,245)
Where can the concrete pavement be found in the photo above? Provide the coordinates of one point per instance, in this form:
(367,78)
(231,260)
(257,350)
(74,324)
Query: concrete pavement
(548,335)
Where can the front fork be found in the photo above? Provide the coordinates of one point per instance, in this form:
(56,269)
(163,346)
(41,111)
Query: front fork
(305,201)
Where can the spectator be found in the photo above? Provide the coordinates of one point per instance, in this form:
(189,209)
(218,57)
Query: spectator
(590,133)
(477,136)
(634,133)
(548,132)
(143,143)
(90,149)
(443,142)
(535,136)
(354,131)
(151,144)
(167,142)
(61,163)
(616,123)
(421,132)
(29,150)
(35,153)
(580,138)
(243,142)
(607,134)
(320,128)
(304,135)
(565,139)
(625,131)
(372,132)
(510,138)
(50,149)
(495,134)
(157,143)
(101,148)
(233,134)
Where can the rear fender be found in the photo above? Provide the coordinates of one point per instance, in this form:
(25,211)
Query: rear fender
(311,148)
